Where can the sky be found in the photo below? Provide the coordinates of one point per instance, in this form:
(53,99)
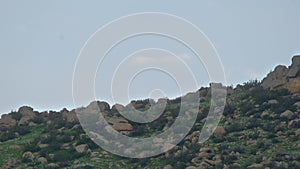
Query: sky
(40,43)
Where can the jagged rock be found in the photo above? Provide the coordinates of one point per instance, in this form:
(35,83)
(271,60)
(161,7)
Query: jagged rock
(276,79)
(283,77)
(294,68)
(83,149)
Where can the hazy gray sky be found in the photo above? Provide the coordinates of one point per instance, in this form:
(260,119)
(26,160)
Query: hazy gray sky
(40,41)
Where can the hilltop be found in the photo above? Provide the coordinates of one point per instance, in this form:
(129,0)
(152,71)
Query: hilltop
(260,128)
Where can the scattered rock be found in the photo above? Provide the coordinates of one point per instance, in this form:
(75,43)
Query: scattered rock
(264,114)
(272,101)
(83,149)
(168,167)
(255,166)
(289,115)
(191,167)
(294,124)
(43,160)
(203,154)
(297,104)
(11,163)
(236,165)
(52,166)
(219,132)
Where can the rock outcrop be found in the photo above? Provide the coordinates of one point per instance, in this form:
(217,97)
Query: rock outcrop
(27,114)
(284,77)
(7,121)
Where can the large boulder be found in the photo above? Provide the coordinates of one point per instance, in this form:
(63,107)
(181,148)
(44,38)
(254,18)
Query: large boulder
(219,132)
(289,115)
(28,156)
(119,124)
(7,121)
(276,79)
(27,115)
(43,160)
(117,108)
(103,106)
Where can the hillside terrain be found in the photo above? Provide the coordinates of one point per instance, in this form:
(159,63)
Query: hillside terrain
(259,129)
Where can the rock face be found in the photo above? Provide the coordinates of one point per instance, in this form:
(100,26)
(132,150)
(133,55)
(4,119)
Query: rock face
(284,78)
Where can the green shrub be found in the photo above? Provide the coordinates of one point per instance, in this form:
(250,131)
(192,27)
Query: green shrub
(16,115)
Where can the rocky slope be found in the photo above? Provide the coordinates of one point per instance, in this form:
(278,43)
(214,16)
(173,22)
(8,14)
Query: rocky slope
(260,128)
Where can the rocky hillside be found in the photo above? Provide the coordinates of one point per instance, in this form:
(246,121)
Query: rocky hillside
(260,128)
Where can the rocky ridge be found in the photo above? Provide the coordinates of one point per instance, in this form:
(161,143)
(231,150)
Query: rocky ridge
(260,128)
(284,77)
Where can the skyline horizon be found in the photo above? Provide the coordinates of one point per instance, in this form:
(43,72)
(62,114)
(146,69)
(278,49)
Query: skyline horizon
(70,107)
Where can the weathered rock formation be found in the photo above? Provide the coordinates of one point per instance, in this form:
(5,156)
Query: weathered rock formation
(284,77)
